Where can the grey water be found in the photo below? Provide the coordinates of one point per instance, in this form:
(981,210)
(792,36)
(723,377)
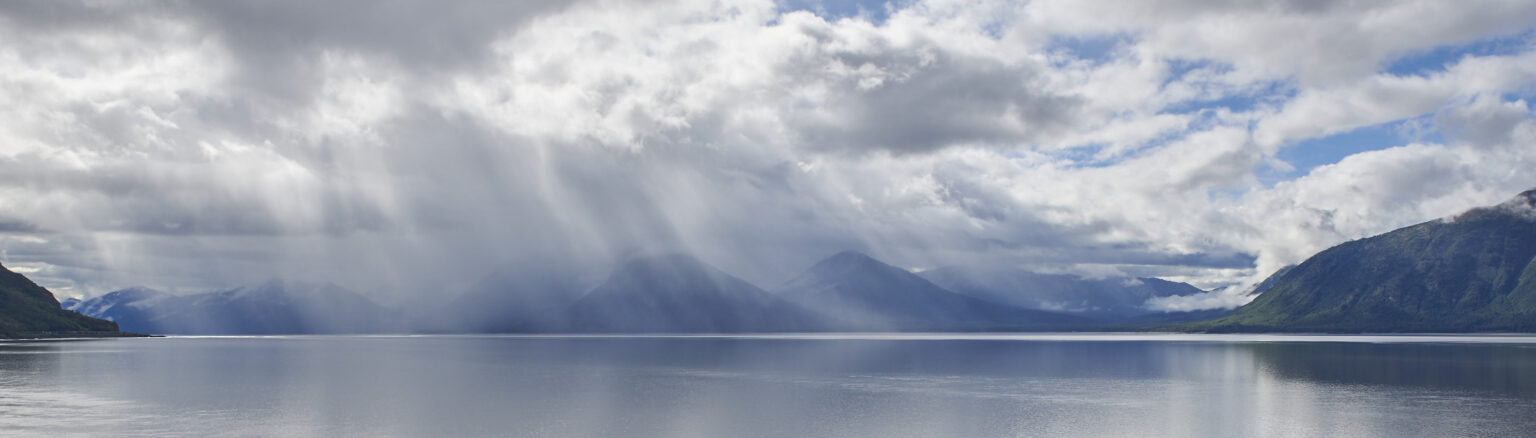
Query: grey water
(974,385)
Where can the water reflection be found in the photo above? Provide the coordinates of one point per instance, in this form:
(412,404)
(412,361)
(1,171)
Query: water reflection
(1502,369)
(499,386)
(33,401)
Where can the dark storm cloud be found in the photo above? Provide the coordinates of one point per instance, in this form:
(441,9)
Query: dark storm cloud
(279,42)
(11,225)
(54,16)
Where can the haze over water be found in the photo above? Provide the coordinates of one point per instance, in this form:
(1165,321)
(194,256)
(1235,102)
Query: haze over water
(797,385)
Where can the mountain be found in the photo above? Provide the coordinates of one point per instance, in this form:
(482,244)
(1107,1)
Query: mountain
(678,293)
(1106,299)
(1269,282)
(519,300)
(1473,272)
(274,307)
(119,306)
(29,310)
(861,293)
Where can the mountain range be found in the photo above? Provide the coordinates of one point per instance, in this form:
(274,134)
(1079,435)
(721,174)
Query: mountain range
(849,291)
(1475,271)
(528,299)
(853,291)
(679,293)
(671,293)
(273,307)
(1103,299)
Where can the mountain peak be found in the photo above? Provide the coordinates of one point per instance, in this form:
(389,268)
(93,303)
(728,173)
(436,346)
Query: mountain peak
(679,293)
(1521,206)
(861,292)
(138,290)
(844,265)
(135,293)
(852,259)
(851,253)
(675,272)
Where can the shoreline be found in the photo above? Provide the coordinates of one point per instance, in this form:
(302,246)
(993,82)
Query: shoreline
(1455,338)
(55,336)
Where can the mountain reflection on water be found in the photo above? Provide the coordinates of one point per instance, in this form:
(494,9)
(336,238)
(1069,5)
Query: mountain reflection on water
(1181,385)
(1498,369)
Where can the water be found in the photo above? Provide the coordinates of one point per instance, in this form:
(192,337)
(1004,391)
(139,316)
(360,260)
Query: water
(814,385)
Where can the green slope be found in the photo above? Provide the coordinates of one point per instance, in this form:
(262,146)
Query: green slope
(27,309)
(1470,274)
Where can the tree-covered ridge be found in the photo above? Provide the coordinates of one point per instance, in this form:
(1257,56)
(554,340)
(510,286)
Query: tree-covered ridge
(27,309)
(1472,272)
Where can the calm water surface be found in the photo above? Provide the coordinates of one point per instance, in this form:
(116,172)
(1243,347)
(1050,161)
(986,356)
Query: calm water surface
(791,386)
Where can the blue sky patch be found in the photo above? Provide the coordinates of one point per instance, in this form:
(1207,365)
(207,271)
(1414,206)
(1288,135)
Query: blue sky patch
(1096,49)
(1427,62)
(1309,154)
(875,11)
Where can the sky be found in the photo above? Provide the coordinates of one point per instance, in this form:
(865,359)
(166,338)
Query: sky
(406,149)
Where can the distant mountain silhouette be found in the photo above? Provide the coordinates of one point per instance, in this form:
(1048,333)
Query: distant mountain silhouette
(274,307)
(679,293)
(1473,272)
(120,306)
(522,300)
(1105,299)
(857,292)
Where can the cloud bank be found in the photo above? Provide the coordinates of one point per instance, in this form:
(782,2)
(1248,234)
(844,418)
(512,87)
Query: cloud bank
(408,148)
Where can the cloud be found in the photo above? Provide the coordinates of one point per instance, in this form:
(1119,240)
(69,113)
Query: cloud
(899,90)
(1387,97)
(277,44)
(8,225)
(409,148)
(1224,298)
(1314,43)
(1376,191)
